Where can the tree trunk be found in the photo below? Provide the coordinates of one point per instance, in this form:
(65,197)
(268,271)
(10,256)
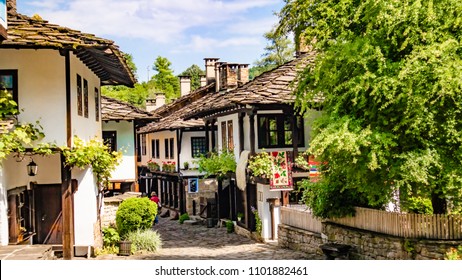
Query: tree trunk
(439,204)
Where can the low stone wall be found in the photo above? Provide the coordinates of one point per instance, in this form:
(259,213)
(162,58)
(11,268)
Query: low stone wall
(299,239)
(207,189)
(374,246)
(365,245)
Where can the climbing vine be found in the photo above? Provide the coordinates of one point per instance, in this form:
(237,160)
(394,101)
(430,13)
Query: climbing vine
(94,154)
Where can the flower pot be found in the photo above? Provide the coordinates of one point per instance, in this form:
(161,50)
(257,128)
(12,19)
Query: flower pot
(125,248)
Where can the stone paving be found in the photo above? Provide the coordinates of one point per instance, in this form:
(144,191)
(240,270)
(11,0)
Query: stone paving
(198,242)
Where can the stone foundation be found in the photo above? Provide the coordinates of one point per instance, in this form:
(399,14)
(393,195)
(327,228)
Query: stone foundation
(365,245)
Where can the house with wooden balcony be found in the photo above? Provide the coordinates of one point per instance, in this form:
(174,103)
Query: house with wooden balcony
(55,75)
(256,117)
(172,145)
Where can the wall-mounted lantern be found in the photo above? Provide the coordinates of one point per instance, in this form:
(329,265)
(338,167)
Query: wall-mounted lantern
(32,168)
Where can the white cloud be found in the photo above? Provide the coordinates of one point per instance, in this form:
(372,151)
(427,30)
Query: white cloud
(206,44)
(160,21)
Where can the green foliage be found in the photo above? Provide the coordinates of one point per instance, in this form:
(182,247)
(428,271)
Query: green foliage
(164,81)
(110,237)
(183,217)
(389,75)
(195,72)
(260,164)
(454,254)
(109,250)
(135,213)
(229,226)
(409,247)
(136,96)
(258,223)
(145,240)
(217,164)
(18,136)
(418,205)
(94,154)
(328,199)
(278,51)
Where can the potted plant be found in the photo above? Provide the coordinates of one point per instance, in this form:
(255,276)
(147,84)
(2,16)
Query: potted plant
(240,215)
(186,165)
(153,166)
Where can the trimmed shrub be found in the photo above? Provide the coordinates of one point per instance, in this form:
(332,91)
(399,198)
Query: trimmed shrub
(135,213)
(144,240)
(229,226)
(183,218)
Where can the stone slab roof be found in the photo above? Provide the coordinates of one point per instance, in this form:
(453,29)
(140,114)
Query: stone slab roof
(116,110)
(173,114)
(102,56)
(272,87)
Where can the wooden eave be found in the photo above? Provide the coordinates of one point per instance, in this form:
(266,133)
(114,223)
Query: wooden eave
(100,55)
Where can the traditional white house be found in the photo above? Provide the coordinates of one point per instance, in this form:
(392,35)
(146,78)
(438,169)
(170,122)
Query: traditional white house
(172,139)
(260,116)
(55,74)
(120,121)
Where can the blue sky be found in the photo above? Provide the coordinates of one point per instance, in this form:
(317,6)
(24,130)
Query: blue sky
(184,31)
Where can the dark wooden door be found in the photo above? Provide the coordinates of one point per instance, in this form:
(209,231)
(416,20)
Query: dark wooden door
(48,208)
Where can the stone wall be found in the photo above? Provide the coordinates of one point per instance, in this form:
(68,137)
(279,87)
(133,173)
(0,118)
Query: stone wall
(299,239)
(207,189)
(366,245)
(376,246)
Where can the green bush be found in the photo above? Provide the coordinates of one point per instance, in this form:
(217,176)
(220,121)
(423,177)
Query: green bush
(144,240)
(418,205)
(454,254)
(135,213)
(183,218)
(110,237)
(229,226)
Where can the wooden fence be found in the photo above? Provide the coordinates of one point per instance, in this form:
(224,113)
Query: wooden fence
(443,227)
(299,216)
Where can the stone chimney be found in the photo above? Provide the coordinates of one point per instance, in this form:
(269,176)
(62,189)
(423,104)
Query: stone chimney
(301,45)
(153,104)
(185,85)
(228,75)
(203,80)
(242,74)
(210,69)
(11,6)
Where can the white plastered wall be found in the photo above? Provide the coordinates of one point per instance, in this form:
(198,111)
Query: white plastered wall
(235,119)
(126,170)
(186,153)
(263,193)
(161,135)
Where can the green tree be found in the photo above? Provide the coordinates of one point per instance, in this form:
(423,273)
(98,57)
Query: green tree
(195,72)
(136,95)
(165,81)
(278,51)
(389,73)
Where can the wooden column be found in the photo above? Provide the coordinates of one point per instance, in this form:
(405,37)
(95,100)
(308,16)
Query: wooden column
(207,148)
(294,135)
(241,132)
(252,132)
(67,209)
(214,142)
(66,176)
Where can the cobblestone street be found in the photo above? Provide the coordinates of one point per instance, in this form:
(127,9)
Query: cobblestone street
(197,242)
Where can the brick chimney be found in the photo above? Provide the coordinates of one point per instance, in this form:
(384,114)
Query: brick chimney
(210,69)
(242,74)
(301,45)
(228,75)
(185,85)
(11,6)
